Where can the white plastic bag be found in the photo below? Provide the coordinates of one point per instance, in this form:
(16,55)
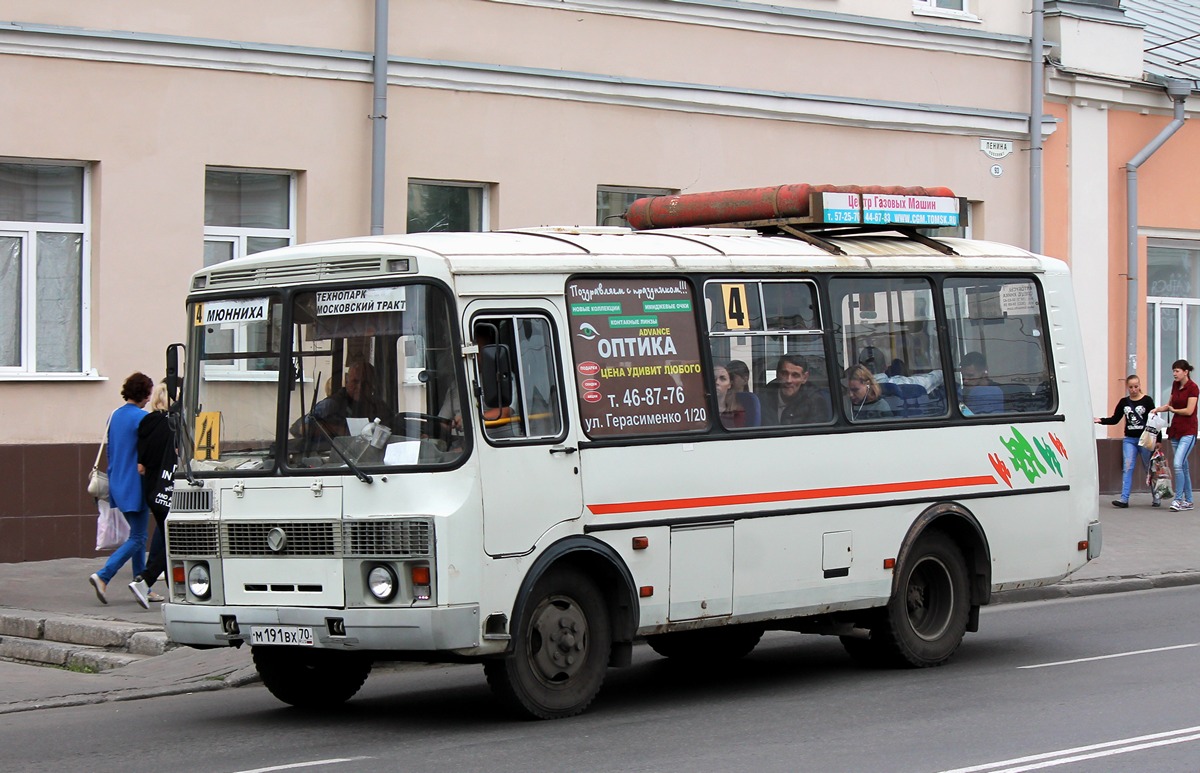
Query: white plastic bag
(112,529)
(1157,422)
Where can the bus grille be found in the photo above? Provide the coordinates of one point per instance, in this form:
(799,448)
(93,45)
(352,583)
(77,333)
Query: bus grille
(191,538)
(235,274)
(389,538)
(301,538)
(186,499)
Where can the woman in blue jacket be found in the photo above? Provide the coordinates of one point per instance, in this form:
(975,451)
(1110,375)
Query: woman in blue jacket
(124,482)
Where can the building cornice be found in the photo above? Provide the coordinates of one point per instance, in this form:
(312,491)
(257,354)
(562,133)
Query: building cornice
(782,20)
(19,39)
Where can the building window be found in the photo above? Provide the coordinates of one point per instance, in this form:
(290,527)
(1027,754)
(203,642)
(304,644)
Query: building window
(1173,300)
(246,212)
(958,9)
(955,231)
(437,205)
(612,201)
(43,274)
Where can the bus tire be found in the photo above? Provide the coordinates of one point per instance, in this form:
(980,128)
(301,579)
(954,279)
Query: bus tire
(310,678)
(926,618)
(560,649)
(706,645)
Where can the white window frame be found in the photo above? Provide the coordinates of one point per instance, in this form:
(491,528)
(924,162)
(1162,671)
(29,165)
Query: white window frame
(931,8)
(27,231)
(239,238)
(485,198)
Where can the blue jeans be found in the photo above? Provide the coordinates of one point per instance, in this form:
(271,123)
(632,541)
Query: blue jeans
(1183,475)
(1130,450)
(133,548)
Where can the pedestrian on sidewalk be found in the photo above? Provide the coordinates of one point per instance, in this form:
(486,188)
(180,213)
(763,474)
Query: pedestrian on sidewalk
(1182,431)
(124,482)
(156,463)
(1135,408)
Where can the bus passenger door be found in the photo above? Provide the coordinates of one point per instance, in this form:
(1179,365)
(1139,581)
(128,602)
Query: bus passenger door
(528,464)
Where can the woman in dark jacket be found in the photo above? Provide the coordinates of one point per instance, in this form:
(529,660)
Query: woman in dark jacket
(156,463)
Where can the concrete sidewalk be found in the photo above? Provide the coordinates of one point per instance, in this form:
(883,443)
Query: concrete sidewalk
(1143,548)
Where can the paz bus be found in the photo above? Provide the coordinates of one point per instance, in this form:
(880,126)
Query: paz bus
(532,449)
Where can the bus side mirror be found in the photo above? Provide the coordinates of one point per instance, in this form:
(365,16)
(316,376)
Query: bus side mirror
(495,375)
(173,380)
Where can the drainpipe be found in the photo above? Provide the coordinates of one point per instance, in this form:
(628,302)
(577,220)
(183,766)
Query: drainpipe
(1178,91)
(1037,70)
(379,116)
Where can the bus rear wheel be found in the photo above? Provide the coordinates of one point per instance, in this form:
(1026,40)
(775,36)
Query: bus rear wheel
(926,618)
(560,650)
(311,678)
(707,645)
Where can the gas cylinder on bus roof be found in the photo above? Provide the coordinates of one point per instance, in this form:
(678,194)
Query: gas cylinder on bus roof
(781,202)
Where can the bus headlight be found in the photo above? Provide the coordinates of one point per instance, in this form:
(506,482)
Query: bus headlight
(198,581)
(381,581)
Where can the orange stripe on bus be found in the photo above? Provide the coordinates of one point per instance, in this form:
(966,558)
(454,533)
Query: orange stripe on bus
(783,496)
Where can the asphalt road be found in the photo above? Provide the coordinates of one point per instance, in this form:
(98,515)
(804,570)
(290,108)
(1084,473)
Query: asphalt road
(1103,683)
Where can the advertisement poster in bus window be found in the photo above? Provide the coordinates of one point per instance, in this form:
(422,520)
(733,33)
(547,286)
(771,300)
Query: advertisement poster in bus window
(637,356)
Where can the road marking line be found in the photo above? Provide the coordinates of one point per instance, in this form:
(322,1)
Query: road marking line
(309,764)
(1107,657)
(1099,750)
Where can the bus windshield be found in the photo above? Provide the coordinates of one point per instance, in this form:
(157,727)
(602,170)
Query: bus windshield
(369,381)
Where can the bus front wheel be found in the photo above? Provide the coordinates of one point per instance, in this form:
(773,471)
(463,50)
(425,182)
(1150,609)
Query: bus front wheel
(311,678)
(560,649)
(926,618)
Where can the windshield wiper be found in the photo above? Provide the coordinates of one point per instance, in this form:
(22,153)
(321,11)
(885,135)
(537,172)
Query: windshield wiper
(365,478)
(180,431)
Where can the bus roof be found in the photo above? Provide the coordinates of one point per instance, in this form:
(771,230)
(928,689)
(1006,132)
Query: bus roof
(567,250)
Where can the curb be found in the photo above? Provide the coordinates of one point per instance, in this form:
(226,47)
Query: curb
(1098,586)
(242,676)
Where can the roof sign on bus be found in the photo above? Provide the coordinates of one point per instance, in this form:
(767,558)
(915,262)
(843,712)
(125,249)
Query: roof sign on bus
(362,300)
(887,209)
(236,311)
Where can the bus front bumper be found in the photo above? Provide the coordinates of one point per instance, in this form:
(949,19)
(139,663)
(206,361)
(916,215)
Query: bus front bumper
(408,629)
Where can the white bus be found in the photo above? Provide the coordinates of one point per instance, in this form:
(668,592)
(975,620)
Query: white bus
(531,449)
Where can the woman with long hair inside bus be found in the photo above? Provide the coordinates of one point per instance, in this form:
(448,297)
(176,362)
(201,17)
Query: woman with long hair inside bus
(738,409)
(1182,432)
(863,398)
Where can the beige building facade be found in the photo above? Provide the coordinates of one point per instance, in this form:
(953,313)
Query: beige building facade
(146,139)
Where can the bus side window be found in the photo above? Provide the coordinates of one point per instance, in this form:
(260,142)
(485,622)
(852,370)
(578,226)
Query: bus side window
(998,345)
(520,392)
(885,332)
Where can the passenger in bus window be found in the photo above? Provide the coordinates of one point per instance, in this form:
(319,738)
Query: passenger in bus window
(790,398)
(979,393)
(739,376)
(356,399)
(863,399)
(738,409)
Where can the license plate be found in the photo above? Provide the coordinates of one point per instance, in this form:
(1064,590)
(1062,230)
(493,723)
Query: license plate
(296,636)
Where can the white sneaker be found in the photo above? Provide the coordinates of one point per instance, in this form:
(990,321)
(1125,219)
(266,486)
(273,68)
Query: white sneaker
(1176,506)
(100,586)
(140,592)
(1185,505)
